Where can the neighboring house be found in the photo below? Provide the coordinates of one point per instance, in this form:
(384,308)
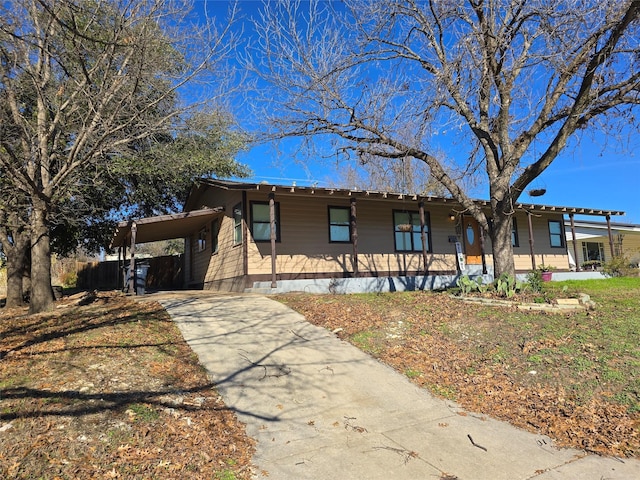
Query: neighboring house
(243,235)
(594,245)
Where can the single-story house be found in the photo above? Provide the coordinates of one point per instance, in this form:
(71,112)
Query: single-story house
(598,242)
(240,236)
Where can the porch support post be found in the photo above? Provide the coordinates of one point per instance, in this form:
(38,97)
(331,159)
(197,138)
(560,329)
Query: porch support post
(132,261)
(575,243)
(354,234)
(423,235)
(533,254)
(119,267)
(484,260)
(245,236)
(272,221)
(610,236)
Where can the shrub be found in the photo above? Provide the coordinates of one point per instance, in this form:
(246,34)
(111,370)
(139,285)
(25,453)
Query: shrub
(69,279)
(618,266)
(546,268)
(534,279)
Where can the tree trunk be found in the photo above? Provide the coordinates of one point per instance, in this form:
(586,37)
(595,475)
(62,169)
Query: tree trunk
(41,291)
(16,269)
(15,241)
(502,247)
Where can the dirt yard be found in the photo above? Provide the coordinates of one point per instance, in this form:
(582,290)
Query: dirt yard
(104,387)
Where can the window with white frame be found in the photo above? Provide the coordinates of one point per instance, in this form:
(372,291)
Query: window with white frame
(593,251)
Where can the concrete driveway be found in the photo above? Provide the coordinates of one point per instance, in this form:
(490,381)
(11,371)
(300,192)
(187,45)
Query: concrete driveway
(320,408)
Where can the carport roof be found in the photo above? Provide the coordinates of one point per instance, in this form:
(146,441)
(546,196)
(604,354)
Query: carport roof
(163,227)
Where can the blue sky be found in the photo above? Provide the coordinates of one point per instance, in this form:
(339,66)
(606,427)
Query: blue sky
(596,172)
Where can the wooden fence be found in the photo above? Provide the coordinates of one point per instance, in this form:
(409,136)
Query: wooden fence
(3,282)
(164,273)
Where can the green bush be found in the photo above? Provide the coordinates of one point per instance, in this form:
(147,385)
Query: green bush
(534,280)
(618,266)
(545,268)
(69,279)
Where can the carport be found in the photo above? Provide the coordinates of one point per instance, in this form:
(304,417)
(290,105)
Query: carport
(152,229)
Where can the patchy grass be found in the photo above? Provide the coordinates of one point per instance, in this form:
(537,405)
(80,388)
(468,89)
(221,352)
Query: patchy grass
(105,387)
(573,376)
(370,341)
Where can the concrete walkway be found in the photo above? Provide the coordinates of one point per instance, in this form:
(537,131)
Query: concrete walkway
(320,408)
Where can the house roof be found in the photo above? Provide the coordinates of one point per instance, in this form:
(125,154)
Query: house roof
(586,229)
(180,225)
(373,194)
(626,227)
(164,227)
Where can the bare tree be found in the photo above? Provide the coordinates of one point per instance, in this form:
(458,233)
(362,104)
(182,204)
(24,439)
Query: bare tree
(87,81)
(515,80)
(379,173)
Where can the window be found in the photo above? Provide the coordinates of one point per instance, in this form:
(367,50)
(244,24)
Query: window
(593,251)
(261,222)
(237,224)
(515,242)
(340,224)
(407,235)
(202,240)
(215,230)
(556,235)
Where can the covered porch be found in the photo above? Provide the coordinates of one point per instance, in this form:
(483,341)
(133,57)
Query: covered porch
(130,233)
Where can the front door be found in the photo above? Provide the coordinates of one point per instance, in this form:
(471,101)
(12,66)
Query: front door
(473,249)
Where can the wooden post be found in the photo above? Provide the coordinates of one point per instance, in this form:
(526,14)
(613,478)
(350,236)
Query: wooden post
(533,255)
(245,235)
(613,254)
(423,235)
(120,267)
(354,234)
(575,243)
(272,221)
(132,261)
